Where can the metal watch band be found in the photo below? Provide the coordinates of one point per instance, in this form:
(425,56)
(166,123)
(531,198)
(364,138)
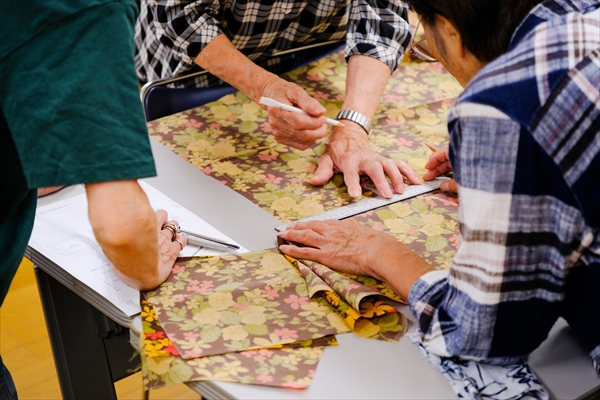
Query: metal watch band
(358,118)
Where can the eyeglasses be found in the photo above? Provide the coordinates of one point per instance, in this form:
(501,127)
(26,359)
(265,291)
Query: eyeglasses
(420,49)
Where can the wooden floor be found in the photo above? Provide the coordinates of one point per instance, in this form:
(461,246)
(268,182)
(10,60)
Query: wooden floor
(26,352)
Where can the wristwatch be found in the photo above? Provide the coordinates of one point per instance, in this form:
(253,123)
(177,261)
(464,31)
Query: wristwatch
(358,118)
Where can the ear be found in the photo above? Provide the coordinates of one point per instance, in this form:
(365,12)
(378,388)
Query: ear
(453,38)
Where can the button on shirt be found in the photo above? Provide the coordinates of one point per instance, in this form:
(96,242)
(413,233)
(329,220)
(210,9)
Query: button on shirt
(525,150)
(171,33)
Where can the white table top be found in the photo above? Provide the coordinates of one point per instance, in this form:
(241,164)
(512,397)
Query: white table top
(357,368)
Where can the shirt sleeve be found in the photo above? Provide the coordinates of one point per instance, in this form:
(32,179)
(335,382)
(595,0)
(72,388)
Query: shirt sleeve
(519,236)
(185,26)
(378,29)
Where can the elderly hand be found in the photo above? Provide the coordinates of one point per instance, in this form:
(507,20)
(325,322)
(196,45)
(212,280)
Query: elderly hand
(438,164)
(169,245)
(352,248)
(294,129)
(346,246)
(349,151)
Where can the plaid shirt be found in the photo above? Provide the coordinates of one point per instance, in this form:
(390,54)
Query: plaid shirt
(169,34)
(525,150)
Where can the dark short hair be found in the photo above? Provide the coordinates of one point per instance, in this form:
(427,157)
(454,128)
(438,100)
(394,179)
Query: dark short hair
(485,26)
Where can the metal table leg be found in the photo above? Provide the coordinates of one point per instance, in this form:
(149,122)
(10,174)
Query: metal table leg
(90,351)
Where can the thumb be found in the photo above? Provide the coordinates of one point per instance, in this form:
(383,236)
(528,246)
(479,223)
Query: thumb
(324,171)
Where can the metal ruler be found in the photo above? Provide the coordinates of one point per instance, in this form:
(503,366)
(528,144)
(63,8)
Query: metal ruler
(373,203)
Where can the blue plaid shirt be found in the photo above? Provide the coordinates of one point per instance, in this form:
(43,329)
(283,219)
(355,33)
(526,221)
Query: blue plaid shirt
(525,150)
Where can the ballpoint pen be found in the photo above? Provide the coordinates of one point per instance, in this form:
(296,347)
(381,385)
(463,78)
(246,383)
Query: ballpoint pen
(197,239)
(267,101)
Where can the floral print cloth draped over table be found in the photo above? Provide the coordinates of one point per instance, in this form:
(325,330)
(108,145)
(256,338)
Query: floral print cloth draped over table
(218,308)
(222,310)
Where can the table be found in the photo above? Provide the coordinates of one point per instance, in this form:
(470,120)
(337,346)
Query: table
(83,327)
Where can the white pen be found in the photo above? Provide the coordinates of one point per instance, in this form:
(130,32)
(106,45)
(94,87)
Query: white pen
(267,101)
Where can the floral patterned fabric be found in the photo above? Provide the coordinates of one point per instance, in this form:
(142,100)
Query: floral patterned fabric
(204,321)
(231,140)
(233,303)
(361,307)
(426,224)
(292,366)
(215,311)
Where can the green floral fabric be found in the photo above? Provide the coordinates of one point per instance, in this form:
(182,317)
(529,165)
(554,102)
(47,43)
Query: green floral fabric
(216,312)
(291,365)
(231,140)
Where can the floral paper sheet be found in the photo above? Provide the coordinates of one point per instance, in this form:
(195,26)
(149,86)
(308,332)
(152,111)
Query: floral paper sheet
(292,367)
(236,316)
(231,140)
(233,303)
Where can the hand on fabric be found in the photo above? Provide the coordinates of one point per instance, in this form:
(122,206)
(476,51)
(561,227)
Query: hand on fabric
(349,151)
(294,129)
(350,247)
(438,164)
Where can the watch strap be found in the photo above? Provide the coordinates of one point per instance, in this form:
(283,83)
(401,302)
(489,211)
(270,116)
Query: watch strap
(358,118)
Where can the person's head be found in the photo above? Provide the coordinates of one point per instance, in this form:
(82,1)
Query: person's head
(465,35)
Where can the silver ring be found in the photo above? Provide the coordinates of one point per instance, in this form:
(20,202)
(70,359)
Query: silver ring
(180,242)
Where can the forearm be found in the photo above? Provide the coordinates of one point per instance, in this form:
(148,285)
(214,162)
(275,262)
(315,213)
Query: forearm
(224,61)
(365,82)
(399,267)
(125,226)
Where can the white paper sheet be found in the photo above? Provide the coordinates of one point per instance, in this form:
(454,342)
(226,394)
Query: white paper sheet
(62,233)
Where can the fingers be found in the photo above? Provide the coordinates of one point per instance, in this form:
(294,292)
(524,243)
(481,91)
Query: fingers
(324,171)
(302,100)
(170,230)
(161,218)
(375,171)
(305,236)
(281,118)
(352,180)
(408,172)
(306,253)
(449,186)
(296,130)
(438,163)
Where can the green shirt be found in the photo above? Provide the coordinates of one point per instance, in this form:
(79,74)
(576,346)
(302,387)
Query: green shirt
(70,110)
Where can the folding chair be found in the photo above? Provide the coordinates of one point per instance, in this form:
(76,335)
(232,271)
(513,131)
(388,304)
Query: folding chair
(160,101)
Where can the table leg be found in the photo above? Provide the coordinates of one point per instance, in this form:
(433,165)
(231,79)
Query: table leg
(90,351)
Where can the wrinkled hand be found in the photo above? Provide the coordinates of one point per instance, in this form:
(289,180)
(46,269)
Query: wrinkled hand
(346,246)
(168,247)
(294,129)
(438,164)
(349,151)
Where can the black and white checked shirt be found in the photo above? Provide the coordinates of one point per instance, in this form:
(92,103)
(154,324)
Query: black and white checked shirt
(169,34)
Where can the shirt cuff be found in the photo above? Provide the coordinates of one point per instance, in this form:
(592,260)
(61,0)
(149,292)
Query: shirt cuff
(390,56)
(424,289)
